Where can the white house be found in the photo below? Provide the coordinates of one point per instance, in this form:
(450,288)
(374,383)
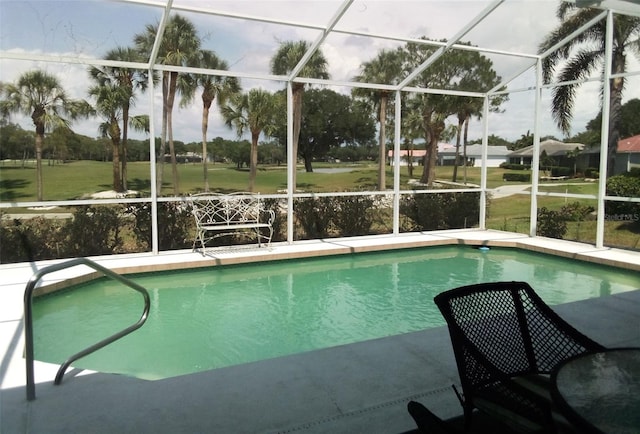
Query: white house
(446,155)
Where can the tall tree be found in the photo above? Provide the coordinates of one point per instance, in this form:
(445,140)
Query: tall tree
(434,109)
(411,130)
(331,120)
(180,46)
(385,68)
(129,79)
(289,54)
(254,111)
(478,75)
(110,100)
(212,86)
(453,70)
(584,55)
(40,95)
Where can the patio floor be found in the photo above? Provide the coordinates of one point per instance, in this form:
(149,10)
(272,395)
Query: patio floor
(357,388)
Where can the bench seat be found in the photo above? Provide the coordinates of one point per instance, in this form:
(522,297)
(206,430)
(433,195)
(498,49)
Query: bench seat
(241,213)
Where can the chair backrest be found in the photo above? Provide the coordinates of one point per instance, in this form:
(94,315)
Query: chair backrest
(504,329)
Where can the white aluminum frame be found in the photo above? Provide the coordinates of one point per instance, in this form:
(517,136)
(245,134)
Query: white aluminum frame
(631,7)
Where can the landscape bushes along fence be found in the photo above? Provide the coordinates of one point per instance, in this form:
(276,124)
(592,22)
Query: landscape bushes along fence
(519,177)
(346,216)
(427,212)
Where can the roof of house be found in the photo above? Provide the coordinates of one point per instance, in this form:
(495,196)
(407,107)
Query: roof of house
(552,148)
(492,151)
(474,151)
(629,145)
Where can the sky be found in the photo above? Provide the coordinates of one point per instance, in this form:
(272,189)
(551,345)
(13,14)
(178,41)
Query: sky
(89,28)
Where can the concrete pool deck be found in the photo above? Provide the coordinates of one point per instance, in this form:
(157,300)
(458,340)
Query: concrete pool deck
(361,387)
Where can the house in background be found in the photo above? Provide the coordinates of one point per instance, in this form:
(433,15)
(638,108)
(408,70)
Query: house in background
(628,155)
(496,155)
(559,154)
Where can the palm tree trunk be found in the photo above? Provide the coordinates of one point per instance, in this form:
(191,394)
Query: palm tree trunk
(457,156)
(117,177)
(382,158)
(163,137)
(410,159)
(298,90)
(464,147)
(170,101)
(39,141)
(432,133)
(205,127)
(123,155)
(615,111)
(253,159)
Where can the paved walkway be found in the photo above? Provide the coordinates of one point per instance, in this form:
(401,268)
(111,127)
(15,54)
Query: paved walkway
(510,190)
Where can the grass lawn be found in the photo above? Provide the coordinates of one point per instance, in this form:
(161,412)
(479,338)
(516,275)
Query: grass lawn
(80,179)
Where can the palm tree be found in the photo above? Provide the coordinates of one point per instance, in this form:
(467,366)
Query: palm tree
(284,62)
(129,79)
(110,100)
(478,75)
(254,111)
(584,55)
(411,130)
(40,95)
(212,86)
(180,45)
(433,109)
(385,68)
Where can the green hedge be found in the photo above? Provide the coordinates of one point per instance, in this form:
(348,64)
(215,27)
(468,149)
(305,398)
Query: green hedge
(441,210)
(627,185)
(519,177)
(561,171)
(345,216)
(513,166)
(592,172)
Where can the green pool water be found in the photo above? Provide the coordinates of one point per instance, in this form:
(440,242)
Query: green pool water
(220,316)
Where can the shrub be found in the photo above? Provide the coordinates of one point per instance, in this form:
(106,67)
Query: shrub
(520,177)
(176,229)
(94,230)
(591,172)
(442,210)
(353,215)
(31,239)
(551,224)
(513,166)
(561,171)
(280,220)
(315,214)
(575,211)
(627,185)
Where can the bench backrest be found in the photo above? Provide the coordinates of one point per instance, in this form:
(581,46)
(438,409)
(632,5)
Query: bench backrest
(211,208)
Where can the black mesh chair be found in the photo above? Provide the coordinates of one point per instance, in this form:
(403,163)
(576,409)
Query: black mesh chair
(506,341)
(428,422)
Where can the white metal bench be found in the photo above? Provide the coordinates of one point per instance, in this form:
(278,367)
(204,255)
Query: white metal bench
(218,214)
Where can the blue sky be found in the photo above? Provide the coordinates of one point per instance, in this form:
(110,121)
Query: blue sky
(92,27)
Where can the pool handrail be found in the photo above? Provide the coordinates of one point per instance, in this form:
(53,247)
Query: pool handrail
(28,318)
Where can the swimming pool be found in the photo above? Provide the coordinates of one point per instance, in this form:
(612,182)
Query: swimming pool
(220,316)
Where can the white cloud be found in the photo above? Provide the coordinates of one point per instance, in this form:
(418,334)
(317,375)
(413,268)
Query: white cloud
(516,26)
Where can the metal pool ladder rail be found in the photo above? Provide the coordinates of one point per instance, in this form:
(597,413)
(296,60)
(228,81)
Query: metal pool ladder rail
(28,318)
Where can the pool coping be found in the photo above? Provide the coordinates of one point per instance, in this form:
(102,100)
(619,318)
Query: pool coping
(234,255)
(15,276)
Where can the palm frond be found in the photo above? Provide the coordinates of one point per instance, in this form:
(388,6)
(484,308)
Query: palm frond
(580,66)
